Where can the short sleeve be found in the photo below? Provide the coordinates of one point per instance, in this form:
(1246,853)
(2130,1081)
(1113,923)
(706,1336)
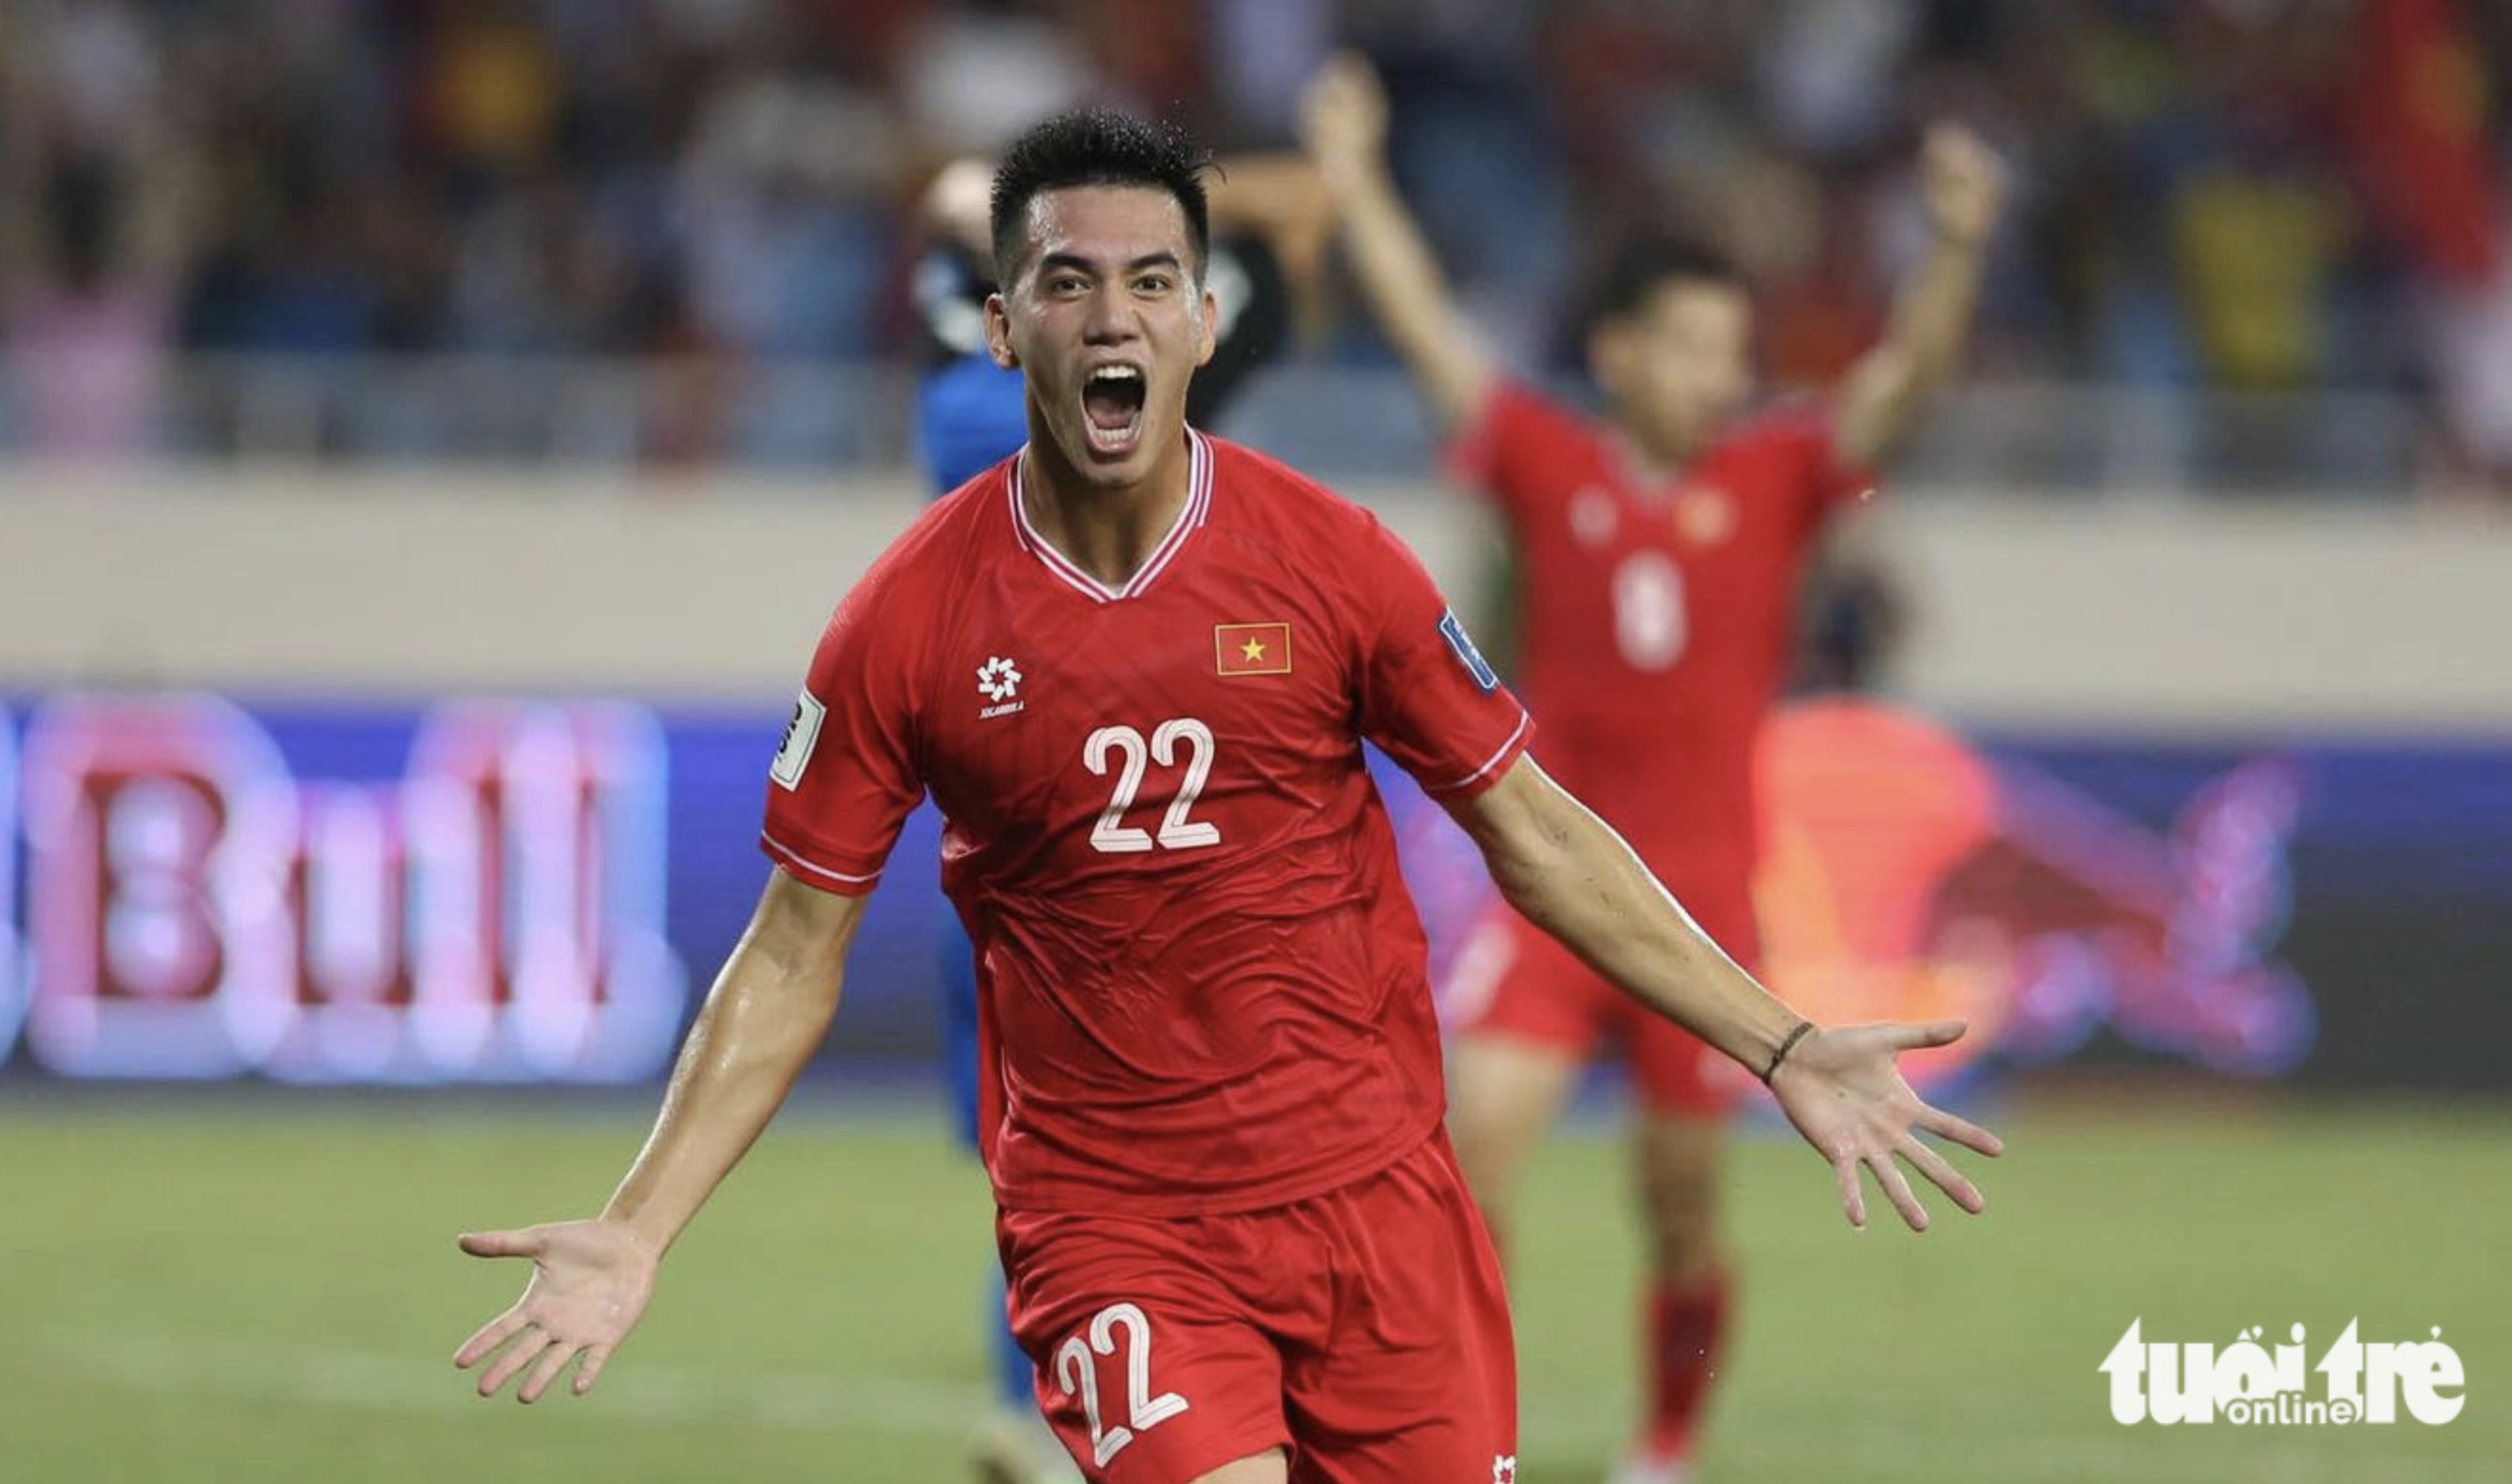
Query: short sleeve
(1829,481)
(1427,698)
(1513,447)
(844,777)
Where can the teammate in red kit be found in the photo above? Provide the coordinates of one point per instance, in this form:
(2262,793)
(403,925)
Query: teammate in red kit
(1660,555)
(1136,666)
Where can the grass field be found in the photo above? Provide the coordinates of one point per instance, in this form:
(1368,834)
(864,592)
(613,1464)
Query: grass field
(269,1291)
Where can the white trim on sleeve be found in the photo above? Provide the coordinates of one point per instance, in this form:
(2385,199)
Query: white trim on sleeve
(1493,761)
(788,852)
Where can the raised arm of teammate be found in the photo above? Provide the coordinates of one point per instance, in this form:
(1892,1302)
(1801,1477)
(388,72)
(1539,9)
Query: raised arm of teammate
(1884,393)
(1572,876)
(1343,122)
(591,1278)
(1282,196)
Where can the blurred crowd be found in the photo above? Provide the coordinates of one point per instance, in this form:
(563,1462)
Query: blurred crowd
(2254,195)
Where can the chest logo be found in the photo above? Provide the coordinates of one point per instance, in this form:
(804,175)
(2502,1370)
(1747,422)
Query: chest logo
(999,680)
(1594,520)
(1704,515)
(1251,649)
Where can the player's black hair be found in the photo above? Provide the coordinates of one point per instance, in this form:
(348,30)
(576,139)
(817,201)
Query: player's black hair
(1647,264)
(1096,146)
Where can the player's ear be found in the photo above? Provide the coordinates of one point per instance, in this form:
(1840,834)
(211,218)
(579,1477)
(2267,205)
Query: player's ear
(1208,314)
(999,334)
(1609,357)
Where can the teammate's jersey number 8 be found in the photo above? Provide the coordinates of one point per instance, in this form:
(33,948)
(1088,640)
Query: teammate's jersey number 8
(1649,626)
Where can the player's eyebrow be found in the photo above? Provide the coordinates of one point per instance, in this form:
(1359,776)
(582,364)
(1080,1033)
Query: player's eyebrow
(1163,259)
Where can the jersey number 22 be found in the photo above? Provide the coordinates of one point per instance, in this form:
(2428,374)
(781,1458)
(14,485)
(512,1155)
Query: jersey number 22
(1124,748)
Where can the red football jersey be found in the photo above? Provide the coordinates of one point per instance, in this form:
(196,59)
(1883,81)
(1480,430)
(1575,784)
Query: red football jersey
(1656,616)
(1201,984)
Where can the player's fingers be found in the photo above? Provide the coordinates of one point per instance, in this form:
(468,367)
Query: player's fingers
(1321,108)
(1945,1177)
(525,1349)
(1948,138)
(527,1242)
(1897,1191)
(488,1337)
(1354,80)
(1853,1196)
(545,1371)
(1962,1131)
(595,1356)
(1933,1033)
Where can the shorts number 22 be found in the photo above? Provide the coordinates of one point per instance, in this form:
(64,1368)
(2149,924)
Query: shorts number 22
(1078,1371)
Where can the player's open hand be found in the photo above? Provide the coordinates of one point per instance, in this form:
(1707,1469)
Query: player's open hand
(1842,1091)
(1343,119)
(1963,182)
(590,1282)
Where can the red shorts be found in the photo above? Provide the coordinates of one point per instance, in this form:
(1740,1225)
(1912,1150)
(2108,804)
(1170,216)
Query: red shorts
(1514,980)
(1365,1330)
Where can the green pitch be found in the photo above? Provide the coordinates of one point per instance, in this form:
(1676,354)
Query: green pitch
(270,1292)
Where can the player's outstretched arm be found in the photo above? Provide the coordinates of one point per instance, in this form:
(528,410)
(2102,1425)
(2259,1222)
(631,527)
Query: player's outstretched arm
(1885,392)
(769,1010)
(1280,195)
(1343,122)
(1573,877)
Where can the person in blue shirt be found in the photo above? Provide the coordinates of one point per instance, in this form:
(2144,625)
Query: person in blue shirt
(1270,226)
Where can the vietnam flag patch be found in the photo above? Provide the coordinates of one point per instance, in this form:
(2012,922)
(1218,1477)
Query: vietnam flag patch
(1251,649)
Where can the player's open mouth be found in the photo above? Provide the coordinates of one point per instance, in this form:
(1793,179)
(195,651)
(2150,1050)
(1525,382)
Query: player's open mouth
(1111,408)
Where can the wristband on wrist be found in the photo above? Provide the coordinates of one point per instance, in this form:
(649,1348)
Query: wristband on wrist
(1805,1028)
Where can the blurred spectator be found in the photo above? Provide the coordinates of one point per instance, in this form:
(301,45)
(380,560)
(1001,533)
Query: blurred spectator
(2426,116)
(2259,215)
(1263,52)
(2252,194)
(978,74)
(94,224)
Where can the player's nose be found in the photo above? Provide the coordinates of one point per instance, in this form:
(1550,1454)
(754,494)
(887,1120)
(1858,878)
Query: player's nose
(1110,316)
